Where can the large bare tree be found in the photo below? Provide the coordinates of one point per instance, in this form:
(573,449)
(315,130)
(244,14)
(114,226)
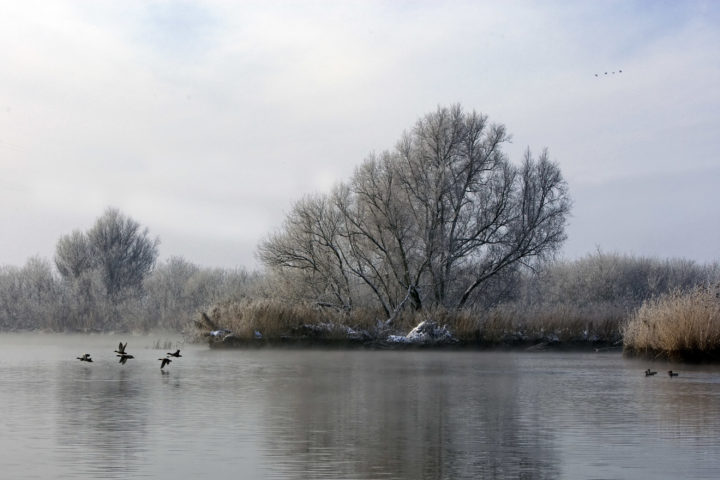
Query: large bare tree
(430,222)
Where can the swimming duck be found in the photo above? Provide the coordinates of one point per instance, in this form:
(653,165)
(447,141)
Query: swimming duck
(649,373)
(176,354)
(672,374)
(121,348)
(164,361)
(124,357)
(85,358)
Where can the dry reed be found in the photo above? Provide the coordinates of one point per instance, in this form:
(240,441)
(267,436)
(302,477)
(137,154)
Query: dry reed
(676,324)
(274,318)
(506,324)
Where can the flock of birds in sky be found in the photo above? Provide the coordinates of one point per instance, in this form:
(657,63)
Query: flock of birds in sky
(606,73)
(124,356)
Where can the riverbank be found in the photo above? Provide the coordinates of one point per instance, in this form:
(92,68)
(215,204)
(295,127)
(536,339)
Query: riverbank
(376,344)
(678,356)
(427,334)
(264,322)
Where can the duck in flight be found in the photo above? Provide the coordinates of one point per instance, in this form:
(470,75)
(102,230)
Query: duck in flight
(672,374)
(85,358)
(176,354)
(121,349)
(649,373)
(163,362)
(124,357)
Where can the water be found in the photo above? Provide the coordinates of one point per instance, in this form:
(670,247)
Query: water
(291,414)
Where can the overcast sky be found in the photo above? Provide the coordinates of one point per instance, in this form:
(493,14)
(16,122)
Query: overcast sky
(205,120)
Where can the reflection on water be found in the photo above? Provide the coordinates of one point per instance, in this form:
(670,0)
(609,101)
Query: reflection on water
(402,415)
(104,418)
(348,414)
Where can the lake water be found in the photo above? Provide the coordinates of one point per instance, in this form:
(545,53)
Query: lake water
(293,414)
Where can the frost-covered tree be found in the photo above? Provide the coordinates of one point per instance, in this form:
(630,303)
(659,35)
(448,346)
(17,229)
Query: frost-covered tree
(116,248)
(122,251)
(73,256)
(433,221)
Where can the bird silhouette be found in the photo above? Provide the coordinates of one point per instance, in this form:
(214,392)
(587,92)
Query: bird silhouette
(649,373)
(121,348)
(124,357)
(176,354)
(85,358)
(672,374)
(612,73)
(164,361)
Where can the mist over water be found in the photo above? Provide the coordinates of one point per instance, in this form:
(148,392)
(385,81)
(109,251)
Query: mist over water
(298,414)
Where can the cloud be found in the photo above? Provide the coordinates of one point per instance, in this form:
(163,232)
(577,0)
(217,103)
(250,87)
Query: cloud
(212,116)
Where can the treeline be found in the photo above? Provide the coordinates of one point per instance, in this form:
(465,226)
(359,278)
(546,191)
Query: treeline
(594,297)
(36,297)
(591,299)
(108,279)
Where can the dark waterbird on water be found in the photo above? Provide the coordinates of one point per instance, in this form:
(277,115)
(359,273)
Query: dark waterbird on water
(121,348)
(176,354)
(672,374)
(649,373)
(85,358)
(164,361)
(124,357)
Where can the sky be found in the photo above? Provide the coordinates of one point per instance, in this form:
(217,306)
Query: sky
(205,120)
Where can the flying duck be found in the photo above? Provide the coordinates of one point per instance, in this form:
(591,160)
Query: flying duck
(124,357)
(85,358)
(672,374)
(121,348)
(649,373)
(176,354)
(164,361)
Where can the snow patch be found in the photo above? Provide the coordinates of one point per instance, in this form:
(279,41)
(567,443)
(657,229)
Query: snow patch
(426,332)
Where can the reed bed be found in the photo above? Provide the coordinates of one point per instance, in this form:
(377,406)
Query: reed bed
(678,324)
(512,323)
(509,324)
(274,318)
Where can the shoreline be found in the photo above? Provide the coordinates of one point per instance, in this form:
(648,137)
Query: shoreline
(679,356)
(230,343)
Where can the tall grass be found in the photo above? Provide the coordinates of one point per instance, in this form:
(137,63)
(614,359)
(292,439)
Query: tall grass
(514,323)
(505,324)
(676,324)
(274,318)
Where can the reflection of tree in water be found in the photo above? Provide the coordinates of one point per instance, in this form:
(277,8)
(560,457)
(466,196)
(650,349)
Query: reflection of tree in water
(101,423)
(405,416)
